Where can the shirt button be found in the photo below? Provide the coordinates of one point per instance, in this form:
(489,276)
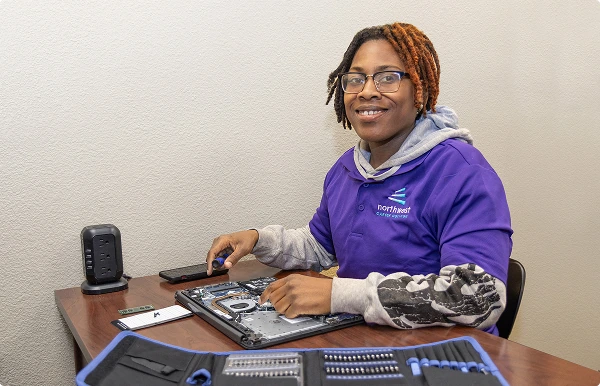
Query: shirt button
(366,185)
(361,207)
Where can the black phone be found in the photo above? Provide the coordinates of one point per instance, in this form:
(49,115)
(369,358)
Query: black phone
(191,272)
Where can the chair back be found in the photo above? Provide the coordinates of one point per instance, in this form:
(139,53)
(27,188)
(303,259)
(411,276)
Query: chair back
(514,292)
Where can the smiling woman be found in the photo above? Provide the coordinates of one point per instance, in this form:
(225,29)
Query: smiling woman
(414,216)
(412,48)
(381,118)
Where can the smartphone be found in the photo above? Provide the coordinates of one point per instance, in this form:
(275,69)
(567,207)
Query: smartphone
(191,272)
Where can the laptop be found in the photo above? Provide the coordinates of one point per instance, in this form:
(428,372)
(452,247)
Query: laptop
(232,307)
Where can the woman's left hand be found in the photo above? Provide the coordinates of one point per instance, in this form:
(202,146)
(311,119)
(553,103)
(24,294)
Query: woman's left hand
(296,295)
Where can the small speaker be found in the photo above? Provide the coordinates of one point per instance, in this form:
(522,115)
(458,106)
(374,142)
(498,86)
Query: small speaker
(102,259)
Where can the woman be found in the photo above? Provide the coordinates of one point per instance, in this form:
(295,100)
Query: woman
(414,216)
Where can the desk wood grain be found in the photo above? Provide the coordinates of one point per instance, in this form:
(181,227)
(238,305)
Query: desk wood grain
(89,317)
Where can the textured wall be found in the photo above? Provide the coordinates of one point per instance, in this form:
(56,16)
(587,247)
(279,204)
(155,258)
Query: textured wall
(180,120)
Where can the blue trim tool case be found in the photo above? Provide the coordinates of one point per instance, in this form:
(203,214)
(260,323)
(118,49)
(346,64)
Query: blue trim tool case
(132,359)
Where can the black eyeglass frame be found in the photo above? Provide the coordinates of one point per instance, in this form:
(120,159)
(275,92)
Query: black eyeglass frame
(402,75)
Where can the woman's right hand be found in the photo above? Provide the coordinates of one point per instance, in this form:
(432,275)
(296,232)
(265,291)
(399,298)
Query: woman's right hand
(238,245)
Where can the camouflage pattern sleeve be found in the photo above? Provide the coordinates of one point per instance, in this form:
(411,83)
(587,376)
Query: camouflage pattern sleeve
(464,295)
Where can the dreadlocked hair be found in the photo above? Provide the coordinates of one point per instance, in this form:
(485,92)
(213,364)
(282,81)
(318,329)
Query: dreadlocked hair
(416,52)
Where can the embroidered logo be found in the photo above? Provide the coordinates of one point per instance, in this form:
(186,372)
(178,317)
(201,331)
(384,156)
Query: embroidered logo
(393,211)
(398,196)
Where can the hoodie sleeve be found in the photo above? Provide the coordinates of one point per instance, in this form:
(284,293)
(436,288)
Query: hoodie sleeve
(291,249)
(464,295)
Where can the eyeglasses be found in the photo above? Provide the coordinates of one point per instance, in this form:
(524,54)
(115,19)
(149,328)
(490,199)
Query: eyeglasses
(385,81)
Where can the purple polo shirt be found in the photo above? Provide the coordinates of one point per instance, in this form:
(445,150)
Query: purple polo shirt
(447,207)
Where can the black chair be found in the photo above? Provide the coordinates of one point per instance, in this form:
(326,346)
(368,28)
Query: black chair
(514,292)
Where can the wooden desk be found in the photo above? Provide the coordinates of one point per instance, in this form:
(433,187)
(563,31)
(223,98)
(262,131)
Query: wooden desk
(89,317)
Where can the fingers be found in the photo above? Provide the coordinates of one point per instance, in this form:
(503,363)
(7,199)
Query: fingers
(232,256)
(297,295)
(276,294)
(288,311)
(221,258)
(237,245)
(270,288)
(219,245)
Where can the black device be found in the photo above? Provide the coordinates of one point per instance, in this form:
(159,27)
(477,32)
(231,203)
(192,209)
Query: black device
(191,272)
(102,259)
(233,308)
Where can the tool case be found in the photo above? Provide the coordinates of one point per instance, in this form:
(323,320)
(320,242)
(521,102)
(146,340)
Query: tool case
(132,359)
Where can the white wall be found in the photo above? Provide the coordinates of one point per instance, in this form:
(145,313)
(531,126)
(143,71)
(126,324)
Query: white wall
(180,120)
